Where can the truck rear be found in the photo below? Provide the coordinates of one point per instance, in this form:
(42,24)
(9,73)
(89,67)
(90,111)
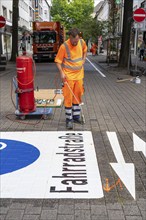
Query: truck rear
(47,38)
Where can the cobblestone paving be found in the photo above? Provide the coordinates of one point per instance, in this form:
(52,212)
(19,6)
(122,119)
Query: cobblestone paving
(108,106)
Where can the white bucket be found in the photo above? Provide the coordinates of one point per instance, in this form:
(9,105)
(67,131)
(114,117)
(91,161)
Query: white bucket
(137,80)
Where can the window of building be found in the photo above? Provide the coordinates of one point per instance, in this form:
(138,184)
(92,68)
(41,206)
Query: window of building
(40,10)
(33,16)
(10,15)
(30,12)
(143,4)
(45,14)
(4,11)
(33,3)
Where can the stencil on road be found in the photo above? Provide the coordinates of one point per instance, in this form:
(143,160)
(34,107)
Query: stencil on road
(49,165)
(107,187)
(125,171)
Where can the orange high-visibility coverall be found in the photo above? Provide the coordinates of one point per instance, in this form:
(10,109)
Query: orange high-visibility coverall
(94,49)
(71,58)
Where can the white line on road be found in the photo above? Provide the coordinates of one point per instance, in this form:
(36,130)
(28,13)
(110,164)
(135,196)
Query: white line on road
(95,68)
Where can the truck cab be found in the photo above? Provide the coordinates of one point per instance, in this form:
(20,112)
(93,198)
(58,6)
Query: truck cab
(47,38)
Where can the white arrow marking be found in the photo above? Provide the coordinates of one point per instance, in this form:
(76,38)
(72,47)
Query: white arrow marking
(139,144)
(125,171)
(95,67)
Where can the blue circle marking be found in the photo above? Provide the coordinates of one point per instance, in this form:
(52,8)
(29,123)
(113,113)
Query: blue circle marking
(15,155)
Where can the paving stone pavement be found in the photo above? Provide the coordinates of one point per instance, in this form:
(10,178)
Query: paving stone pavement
(108,106)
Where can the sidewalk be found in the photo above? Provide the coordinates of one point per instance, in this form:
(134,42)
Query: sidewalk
(101,60)
(11,66)
(108,106)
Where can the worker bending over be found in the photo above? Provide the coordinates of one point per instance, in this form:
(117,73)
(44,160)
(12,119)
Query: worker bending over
(70,61)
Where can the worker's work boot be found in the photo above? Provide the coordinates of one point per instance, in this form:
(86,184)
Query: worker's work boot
(77,121)
(69,125)
(76,109)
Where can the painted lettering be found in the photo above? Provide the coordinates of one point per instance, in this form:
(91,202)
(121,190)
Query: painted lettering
(75,182)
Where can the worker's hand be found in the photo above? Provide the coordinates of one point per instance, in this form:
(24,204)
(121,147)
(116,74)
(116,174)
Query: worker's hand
(63,77)
(84,59)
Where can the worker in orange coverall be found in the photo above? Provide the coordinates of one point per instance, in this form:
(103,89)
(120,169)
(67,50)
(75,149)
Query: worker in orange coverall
(94,49)
(70,61)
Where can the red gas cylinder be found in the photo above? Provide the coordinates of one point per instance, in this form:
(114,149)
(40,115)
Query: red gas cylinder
(25,80)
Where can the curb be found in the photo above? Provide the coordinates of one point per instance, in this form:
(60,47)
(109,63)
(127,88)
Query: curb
(10,67)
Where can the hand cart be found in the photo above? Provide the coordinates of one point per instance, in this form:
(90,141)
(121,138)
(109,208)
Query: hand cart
(45,101)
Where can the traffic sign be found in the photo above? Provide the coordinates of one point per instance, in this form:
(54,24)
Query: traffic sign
(139,25)
(2,21)
(139,15)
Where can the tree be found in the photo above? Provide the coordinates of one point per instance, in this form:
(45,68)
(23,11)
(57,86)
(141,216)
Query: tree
(113,18)
(72,13)
(125,44)
(15,30)
(91,29)
(59,10)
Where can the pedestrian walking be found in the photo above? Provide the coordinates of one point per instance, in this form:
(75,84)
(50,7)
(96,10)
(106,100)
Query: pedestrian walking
(142,49)
(94,49)
(70,61)
(23,45)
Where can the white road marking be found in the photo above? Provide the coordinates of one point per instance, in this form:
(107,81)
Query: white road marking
(95,68)
(125,171)
(66,168)
(139,144)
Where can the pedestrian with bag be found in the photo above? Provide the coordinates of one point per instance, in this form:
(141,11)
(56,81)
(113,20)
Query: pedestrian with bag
(70,61)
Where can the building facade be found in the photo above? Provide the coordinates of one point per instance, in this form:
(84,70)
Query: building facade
(5,32)
(28,12)
(113,10)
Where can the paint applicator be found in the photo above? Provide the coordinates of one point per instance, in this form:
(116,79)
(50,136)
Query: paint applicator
(82,113)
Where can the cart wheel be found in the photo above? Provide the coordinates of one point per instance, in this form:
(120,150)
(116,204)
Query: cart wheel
(22,117)
(45,117)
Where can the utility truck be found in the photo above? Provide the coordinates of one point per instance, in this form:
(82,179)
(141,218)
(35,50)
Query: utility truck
(47,38)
